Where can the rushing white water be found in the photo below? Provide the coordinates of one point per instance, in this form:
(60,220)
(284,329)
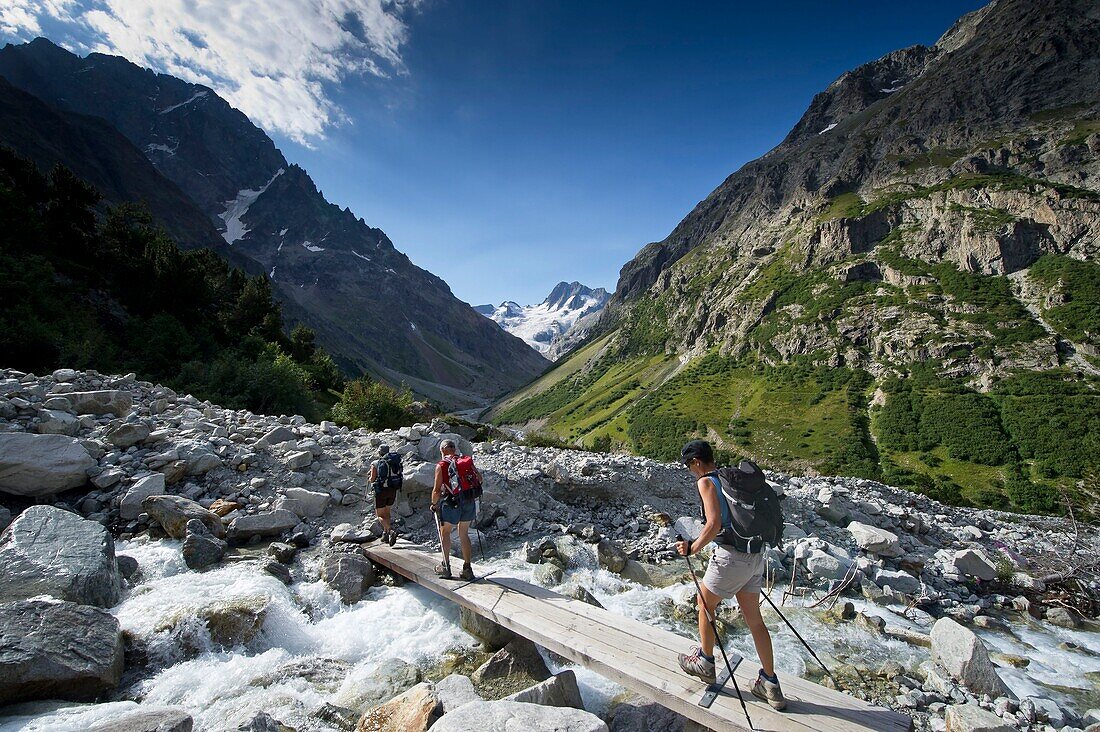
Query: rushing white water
(295,649)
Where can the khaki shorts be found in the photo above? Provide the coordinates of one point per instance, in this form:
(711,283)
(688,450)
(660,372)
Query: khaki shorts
(731,571)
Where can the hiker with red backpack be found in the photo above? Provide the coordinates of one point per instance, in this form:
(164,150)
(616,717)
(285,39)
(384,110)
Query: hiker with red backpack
(742,516)
(454,501)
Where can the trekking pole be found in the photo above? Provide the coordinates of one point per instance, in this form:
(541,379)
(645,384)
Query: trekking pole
(477,519)
(439,530)
(717,638)
(796,635)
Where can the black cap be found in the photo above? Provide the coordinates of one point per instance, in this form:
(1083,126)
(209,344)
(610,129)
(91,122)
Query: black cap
(383,449)
(697,449)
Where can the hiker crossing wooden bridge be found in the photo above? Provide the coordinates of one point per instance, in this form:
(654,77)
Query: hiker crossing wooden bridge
(638,656)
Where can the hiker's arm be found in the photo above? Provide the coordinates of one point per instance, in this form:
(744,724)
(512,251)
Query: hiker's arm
(712,511)
(437,489)
(373,473)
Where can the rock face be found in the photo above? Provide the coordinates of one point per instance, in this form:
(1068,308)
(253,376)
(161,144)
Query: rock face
(49,551)
(506,716)
(42,465)
(173,513)
(551,326)
(51,650)
(962,654)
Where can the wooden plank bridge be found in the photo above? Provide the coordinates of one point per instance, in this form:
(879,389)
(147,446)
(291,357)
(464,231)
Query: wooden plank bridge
(638,656)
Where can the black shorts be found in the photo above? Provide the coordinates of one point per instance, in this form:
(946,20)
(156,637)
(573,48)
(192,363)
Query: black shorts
(384,497)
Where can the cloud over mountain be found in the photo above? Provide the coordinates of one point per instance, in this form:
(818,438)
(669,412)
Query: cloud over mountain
(276,60)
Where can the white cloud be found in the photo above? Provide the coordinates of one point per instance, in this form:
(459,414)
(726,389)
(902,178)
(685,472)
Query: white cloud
(275,60)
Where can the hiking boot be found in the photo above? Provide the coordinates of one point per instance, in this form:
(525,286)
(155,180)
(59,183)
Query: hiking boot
(767,690)
(694,664)
(467,573)
(391,538)
(443,571)
(385,537)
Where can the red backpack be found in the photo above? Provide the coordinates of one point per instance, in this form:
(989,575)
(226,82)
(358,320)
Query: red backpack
(460,469)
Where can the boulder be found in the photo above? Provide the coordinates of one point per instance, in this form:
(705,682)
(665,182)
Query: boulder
(964,656)
(36,466)
(127,434)
(163,719)
(299,460)
(57,650)
(509,716)
(5,517)
(387,680)
(547,575)
(493,636)
(610,556)
(264,722)
(972,718)
(305,503)
(875,540)
(822,564)
(50,551)
(277,435)
(173,513)
(419,478)
(456,690)
(413,711)
(129,506)
(348,534)
(560,690)
(273,523)
(974,563)
(200,548)
(57,422)
(898,581)
(636,713)
(520,656)
(349,574)
(114,402)
(65,375)
(428,447)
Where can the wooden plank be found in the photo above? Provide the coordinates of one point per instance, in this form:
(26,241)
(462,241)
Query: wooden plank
(638,656)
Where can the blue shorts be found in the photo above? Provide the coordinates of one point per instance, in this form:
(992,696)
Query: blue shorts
(464,511)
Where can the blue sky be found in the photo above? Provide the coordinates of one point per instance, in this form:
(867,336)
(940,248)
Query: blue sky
(506,145)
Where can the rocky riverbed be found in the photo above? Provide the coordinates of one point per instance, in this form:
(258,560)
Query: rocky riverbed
(167,564)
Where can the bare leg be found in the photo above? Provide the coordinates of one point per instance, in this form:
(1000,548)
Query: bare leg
(445,539)
(706,632)
(464,540)
(384,514)
(750,610)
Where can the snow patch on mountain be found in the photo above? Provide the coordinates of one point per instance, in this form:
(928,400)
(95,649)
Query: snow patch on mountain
(197,95)
(235,229)
(546,325)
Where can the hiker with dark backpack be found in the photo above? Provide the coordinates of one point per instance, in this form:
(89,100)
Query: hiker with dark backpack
(742,516)
(454,500)
(386,479)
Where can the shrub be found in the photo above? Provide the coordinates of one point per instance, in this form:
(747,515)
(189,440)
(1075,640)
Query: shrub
(372,405)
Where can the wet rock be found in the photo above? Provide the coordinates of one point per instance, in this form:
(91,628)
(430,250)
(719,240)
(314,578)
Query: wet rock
(129,507)
(974,563)
(898,581)
(560,690)
(49,551)
(273,523)
(964,656)
(972,718)
(166,719)
(201,549)
(610,556)
(305,503)
(127,566)
(1063,618)
(493,636)
(519,657)
(234,622)
(548,575)
(57,650)
(577,592)
(506,716)
(875,540)
(5,517)
(282,552)
(114,402)
(413,711)
(349,574)
(42,465)
(173,513)
(278,570)
(264,722)
(455,691)
(389,679)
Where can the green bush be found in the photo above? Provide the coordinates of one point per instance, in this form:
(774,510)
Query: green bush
(372,405)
